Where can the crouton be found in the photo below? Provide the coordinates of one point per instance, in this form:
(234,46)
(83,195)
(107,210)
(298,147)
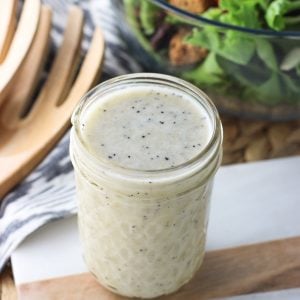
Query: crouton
(181,53)
(193,6)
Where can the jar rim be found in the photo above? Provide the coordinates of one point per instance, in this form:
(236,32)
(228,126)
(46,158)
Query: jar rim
(214,143)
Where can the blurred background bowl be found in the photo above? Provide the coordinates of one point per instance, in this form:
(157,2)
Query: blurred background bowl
(251,73)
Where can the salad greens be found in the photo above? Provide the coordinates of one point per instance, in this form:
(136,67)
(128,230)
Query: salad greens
(251,67)
(148,16)
(208,73)
(228,45)
(279,14)
(244,13)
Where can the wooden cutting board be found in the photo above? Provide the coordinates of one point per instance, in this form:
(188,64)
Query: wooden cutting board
(237,271)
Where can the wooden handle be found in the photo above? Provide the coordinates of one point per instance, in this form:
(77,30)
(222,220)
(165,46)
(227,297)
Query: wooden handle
(20,45)
(89,73)
(7,25)
(20,97)
(65,65)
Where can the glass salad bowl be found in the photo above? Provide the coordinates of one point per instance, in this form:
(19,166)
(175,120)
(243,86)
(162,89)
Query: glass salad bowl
(244,54)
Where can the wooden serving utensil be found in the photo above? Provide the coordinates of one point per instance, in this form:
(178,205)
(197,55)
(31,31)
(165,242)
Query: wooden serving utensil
(15,46)
(7,25)
(24,141)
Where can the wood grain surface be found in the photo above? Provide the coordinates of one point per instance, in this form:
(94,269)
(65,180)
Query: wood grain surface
(7,286)
(247,269)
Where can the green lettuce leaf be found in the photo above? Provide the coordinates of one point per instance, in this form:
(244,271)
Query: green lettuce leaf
(266,53)
(209,73)
(277,14)
(244,13)
(148,16)
(291,60)
(234,46)
(131,7)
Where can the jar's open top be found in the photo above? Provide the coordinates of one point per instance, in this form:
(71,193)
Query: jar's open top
(95,105)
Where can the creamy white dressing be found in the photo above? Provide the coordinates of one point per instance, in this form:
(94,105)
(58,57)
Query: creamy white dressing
(146,129)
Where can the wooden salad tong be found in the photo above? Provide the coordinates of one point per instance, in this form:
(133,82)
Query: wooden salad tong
(15,44)
(25,138)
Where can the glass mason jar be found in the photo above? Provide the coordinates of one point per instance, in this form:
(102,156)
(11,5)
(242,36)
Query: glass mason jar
(143,232)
